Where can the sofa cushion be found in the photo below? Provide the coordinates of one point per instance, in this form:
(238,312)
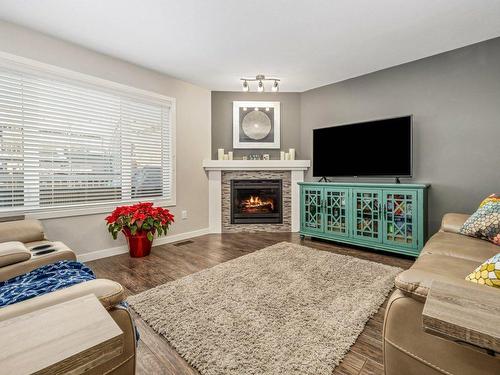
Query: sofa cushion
(416,281)
(459,246)
(22,231)
(452,222)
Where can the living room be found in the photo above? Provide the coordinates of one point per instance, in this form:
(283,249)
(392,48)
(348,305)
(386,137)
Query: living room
(249,188)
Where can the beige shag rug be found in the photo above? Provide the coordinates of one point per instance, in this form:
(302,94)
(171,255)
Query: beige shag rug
(285,309)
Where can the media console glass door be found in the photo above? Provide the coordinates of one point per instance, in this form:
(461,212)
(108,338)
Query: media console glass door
(312,213)
(400,219)
(336,211)
(367,213)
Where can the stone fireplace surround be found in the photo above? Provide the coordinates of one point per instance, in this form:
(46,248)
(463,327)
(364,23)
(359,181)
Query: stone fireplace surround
(284,176)
(221,172)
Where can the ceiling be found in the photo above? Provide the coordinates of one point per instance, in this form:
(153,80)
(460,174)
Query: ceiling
(307,43)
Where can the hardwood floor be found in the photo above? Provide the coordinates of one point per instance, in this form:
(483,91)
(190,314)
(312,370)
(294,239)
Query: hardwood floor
(172,261)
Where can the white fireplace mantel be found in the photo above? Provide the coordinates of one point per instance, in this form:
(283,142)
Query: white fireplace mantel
(214,169)
(256,165)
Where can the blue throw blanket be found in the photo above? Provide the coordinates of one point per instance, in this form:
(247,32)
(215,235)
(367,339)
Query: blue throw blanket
(43,280)
(48,279)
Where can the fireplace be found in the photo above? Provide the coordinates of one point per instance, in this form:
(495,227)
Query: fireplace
(256,202)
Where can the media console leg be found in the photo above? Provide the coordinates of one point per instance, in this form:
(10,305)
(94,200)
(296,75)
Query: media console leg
(302,237)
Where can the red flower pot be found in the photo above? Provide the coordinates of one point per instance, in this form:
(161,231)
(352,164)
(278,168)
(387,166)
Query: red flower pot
(138,244)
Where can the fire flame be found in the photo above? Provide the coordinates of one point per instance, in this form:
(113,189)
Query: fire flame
(256,202)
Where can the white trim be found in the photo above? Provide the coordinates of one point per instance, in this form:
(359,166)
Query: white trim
(83,210)
(296,177)
(236,125)
(104,253)
(99,254)
(173,152)
(256,165)
(215,201)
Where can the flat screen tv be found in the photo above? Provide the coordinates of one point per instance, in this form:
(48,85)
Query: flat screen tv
(380,148)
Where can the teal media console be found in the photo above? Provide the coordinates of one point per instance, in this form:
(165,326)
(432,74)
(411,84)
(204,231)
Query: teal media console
(390,217)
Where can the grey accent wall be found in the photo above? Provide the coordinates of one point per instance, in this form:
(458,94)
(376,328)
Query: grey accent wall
(222,121)
(455,100)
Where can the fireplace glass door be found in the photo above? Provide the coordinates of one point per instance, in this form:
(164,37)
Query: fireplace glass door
(256,202)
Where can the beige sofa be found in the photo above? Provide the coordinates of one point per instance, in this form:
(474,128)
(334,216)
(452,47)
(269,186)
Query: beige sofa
(408,350)
(14,262)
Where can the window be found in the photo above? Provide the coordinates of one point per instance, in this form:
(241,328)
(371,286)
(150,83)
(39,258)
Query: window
(71,140)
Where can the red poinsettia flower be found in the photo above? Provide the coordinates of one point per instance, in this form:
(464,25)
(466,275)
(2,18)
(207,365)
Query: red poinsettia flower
(141,217)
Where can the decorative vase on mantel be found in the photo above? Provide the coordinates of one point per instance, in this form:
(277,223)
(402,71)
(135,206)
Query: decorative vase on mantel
(139,223)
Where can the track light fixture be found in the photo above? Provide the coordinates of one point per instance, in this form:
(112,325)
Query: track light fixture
(260,85)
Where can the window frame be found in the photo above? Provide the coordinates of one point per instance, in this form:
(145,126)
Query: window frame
(11,61)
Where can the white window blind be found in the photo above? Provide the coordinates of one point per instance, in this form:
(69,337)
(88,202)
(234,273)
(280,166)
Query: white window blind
(67,143)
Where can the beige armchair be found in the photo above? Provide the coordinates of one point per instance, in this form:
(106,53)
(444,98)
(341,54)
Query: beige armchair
(16,260)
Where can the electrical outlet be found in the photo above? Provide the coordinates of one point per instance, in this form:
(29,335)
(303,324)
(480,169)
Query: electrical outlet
(184,214)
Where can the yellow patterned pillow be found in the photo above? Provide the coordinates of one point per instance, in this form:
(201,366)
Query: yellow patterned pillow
(487,273)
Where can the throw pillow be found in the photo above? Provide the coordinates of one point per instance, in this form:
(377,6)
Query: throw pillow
(485,222)
(487,273)
(491,198)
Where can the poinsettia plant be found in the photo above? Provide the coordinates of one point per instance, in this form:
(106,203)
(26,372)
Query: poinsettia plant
(139,218)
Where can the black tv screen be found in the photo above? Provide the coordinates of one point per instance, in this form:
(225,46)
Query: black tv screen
(372,148)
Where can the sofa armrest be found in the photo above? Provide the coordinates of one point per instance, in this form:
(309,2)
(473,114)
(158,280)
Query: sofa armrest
(416,281)
(109,293)
(13,252)
(22,230)
(30,264)
(453,222)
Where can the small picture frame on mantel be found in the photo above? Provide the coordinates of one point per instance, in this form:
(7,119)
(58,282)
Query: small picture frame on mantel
(256,125)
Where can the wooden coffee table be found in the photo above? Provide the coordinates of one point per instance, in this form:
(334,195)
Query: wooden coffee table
(72,337)
(466,313)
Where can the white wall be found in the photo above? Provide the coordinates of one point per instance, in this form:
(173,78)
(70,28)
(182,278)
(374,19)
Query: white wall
(88,233)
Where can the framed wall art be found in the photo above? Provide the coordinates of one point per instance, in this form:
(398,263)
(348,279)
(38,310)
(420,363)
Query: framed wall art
(256,124)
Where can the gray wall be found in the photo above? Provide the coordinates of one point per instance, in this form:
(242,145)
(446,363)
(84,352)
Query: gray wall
(88,233)
(222,121)
(455,100)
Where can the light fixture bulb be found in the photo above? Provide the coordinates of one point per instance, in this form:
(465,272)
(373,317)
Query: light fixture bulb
(275,86)
(260,88)
(245,86)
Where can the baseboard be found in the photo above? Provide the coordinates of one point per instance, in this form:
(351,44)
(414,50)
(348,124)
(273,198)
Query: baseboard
(181,236)
(104,253)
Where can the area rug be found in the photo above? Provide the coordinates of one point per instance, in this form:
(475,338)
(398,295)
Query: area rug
(285,309)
